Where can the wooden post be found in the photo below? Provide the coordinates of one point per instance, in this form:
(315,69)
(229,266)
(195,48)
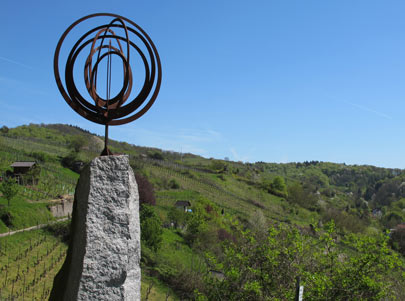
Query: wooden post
(24,287)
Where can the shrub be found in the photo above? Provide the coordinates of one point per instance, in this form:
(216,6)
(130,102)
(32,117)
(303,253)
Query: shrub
(151,227)
(173,184)
(60,229)
(156,155)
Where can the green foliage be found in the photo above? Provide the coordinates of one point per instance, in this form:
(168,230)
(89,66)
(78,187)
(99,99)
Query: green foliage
(78,142)
(195,224)
(356,269)
(392,219)
(344,221)
(177,216)
(69,160)
(151,227)
(4,129)
(218,166)
(397,238)
(60,230)
(300,196)
(173,184)
(275,186)
(278,186)
(157,155)
(9,188)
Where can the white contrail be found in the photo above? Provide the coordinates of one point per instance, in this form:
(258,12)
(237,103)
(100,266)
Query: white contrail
(368,109)
(15,62)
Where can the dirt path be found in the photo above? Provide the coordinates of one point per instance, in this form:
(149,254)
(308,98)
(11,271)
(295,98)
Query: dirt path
(32,228)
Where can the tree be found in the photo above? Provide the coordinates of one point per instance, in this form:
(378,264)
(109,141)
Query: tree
(151,227)
(145,189)
(278,186)
(218,166)
(300,196)
(4,129)
(195,223)
(78,142)
(9,188)
(177,217)
(257,269)
(397,239)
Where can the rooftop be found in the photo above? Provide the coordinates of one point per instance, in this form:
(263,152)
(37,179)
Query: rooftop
(23,164)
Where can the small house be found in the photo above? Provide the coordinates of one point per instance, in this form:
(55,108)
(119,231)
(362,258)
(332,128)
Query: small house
(183,205)
(22,167)
(25,172)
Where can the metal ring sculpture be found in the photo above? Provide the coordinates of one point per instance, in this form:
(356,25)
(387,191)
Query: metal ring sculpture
(115,110)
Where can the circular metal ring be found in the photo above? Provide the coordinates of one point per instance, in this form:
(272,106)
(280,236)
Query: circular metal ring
(119,109)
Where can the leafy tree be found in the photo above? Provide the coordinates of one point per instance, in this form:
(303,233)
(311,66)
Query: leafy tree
(4,129)
(151,227)
(156,155)
(177,216)
(70,161)
(218,166)
(300,196)
(9,188)
(195,224)
(397,239)
(266,269)
(278,186)
(391,220)
(78,142)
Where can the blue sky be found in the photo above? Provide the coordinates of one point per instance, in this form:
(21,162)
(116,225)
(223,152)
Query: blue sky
(274,81)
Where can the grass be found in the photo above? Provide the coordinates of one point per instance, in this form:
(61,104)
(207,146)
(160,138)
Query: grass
(158,290)
(23,214)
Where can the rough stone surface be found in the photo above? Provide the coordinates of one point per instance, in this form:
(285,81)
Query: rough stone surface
(104,252)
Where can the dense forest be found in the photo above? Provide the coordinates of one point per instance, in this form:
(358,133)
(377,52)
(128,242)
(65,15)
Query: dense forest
(249,229)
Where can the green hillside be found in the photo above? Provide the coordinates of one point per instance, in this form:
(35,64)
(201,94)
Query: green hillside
(233,205)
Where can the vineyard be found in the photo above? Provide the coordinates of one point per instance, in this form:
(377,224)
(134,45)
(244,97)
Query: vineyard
(28,263)
(235,197)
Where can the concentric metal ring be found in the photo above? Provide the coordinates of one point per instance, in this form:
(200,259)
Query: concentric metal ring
(118,109)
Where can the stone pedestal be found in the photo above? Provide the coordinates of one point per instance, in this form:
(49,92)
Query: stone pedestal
(104,251)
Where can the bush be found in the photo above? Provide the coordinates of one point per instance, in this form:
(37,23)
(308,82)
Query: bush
(156,155)
(173,184)
(151,227)
(60,229)
(69,160)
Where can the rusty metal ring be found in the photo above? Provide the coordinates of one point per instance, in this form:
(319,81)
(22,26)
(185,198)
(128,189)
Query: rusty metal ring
(119,109)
